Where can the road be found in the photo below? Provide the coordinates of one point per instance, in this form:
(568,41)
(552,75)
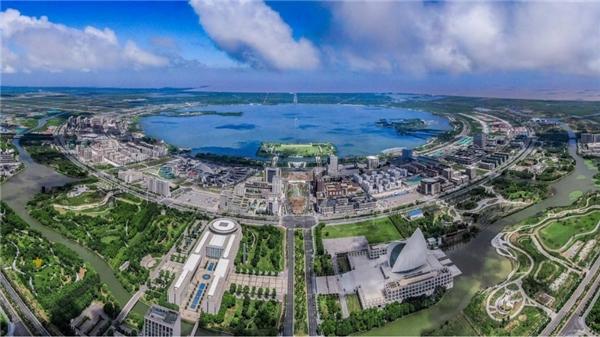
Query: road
(288,317)
(22,307)
(580,291)
(576,322)
(19,328)
(310,283)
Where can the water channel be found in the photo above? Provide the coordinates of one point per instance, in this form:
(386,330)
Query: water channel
(18,190)
(478,261)
(480,264)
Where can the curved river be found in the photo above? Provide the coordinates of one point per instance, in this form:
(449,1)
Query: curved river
(18,190)
(478,260)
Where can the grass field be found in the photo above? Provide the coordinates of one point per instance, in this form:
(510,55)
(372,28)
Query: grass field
(353,303)
(302,150)
(556,234)
(376,231)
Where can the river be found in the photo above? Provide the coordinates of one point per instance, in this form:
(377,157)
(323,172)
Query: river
(479,262)
(18,190)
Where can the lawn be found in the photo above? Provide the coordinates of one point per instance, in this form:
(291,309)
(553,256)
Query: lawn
(353,303)
(547,271)
(261,249)
(557,233)
(376,231)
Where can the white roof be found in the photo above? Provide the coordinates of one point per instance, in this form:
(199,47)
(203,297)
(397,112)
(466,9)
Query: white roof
(219,273)
(190,265)
(221,268)
(229,245)
(217,240)
(181,278)
(199,246)
(223,226)
(412,254)
(213,286)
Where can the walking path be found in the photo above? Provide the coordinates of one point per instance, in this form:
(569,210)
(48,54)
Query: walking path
(503,246)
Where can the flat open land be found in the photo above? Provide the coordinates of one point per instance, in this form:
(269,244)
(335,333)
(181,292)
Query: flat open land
(293,150)
(376,231)
(556,234)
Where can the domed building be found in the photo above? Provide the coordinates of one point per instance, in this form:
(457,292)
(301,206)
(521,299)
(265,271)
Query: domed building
(390,272)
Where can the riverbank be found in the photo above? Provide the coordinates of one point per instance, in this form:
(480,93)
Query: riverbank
(478,260)
(20,189)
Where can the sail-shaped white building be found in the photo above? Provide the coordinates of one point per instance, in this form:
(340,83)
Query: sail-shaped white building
(395,271)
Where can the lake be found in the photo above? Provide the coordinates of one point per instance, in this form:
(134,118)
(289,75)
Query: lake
(351,128)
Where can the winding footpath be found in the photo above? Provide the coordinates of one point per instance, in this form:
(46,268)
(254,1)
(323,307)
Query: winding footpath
(503,245)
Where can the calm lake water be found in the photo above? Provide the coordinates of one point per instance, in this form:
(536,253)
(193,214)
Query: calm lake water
(351,128)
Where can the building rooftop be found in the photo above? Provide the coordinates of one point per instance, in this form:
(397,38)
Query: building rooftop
(161,313)
(223,226)
(217,240)
(407,256)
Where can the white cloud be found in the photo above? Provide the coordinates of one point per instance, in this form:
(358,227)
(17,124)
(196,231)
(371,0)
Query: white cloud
(252,32)
(30,43)
(462,37)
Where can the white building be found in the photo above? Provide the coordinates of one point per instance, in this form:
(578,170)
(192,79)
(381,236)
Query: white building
(332,166)
(372,162)
(394,272)
(160,321)
(130,176)
(158,186)
(201,283)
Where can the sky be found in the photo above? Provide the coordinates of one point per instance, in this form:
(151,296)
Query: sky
(505,49)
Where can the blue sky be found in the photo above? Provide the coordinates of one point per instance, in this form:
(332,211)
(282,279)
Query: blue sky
(524,49)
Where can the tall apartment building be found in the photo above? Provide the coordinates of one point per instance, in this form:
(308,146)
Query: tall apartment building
(372,162)
(160,321)
(430,186)
(480,140)
(159,186)
(271,173)
(332,166)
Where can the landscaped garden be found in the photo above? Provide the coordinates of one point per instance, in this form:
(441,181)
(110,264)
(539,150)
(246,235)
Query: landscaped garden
(56,282)
(122,231)
(243,316)
(529,322)
(557,233)
(291,150)
(300,307)
(329,307)
(261,250)
(516,188)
